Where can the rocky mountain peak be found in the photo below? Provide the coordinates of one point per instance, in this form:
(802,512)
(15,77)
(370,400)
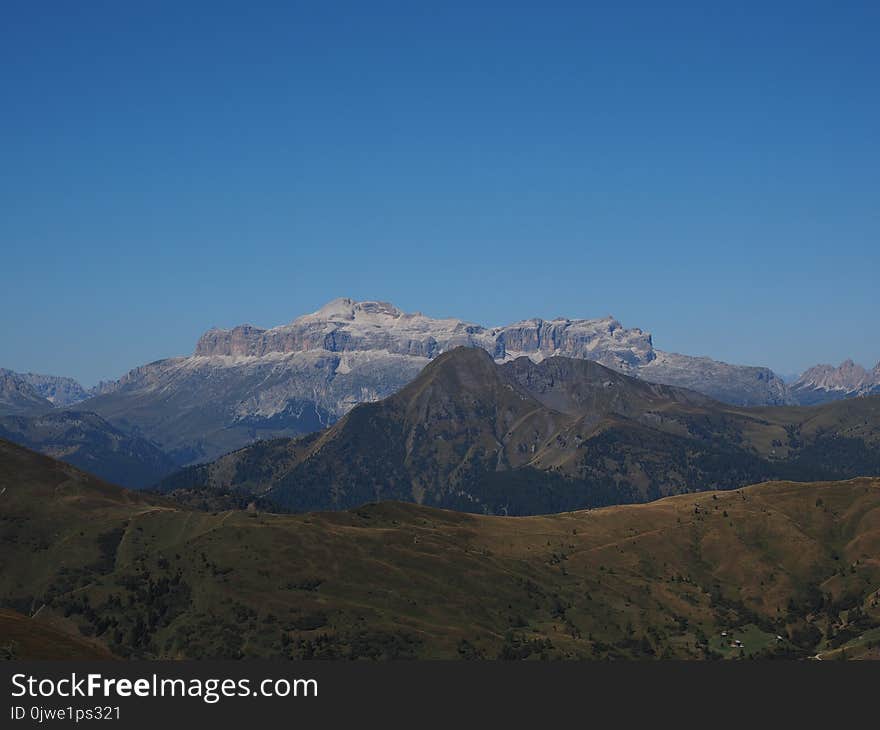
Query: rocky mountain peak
(826,382)
(350,310)
(19,396)
(847,376)
(58,390)
(604,340)
(346,325)
(33,392)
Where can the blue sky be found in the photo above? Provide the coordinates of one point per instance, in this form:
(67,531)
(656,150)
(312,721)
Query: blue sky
(709,174)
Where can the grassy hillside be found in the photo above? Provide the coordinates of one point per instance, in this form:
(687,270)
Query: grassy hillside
(22,637)
(148,579)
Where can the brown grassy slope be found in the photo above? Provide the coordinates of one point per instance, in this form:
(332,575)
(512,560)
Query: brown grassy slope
(398,580)
(25,638)
(55,521)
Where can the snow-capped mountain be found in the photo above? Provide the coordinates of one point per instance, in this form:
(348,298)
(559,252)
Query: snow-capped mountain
(248,382)
(823,383)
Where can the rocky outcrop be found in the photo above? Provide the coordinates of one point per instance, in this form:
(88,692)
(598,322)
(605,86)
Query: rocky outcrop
(602,340)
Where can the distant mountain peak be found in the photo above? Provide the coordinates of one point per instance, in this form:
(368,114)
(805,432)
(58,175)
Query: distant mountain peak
(344,308)
(846,376)
(826,382)
(89,442)
(60,391)
(346,325)
(33,392)
(18,396)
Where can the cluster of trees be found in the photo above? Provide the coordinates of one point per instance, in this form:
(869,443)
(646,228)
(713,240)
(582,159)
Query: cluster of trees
(129,618)
(517,646)
(8,651)
(373,645)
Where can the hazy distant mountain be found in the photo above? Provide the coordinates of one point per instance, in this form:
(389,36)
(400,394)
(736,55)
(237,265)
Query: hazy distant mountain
(34,393)
(824,383)
(526,438)
(18,396)
(249,383)
(59,391)
(87,441)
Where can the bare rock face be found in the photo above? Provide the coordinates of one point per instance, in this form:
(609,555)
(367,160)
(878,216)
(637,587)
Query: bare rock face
(344,325)
(848,376)
(736,384)
(603,340)
(249,383)
(823,383)
(199,407)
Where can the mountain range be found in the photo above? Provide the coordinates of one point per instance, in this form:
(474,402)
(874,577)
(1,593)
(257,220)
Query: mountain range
(527,438)
(249,384)
(87,441)
(29,392)
(17,396)
(772,570)
(824,383)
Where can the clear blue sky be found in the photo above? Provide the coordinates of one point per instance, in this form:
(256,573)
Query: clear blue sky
(711,174)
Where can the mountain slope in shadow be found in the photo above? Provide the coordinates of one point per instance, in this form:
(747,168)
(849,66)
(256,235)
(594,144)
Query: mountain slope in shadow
(525,438)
